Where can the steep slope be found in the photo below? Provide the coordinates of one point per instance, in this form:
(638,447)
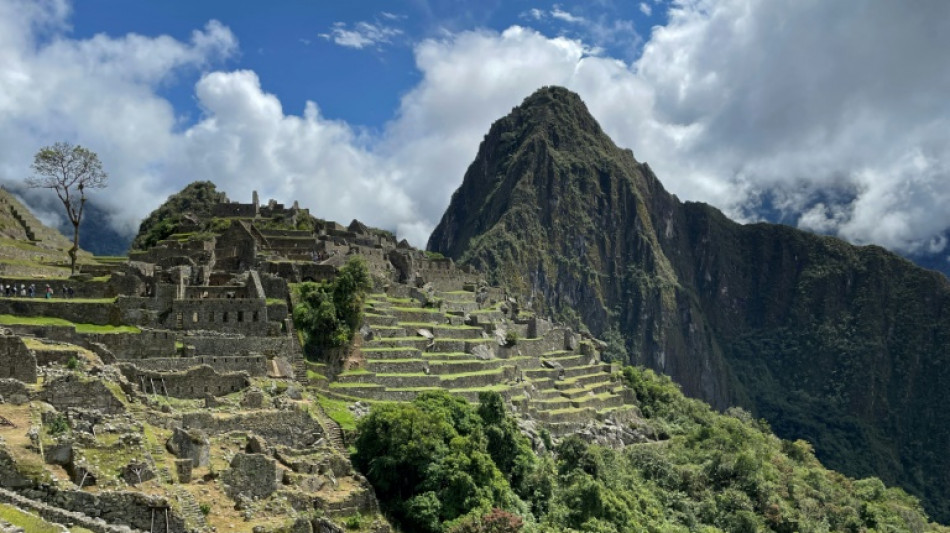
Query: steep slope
(845,346)
(552,209)
(28,247)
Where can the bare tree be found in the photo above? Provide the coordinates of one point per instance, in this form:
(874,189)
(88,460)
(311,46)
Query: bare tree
(69,170)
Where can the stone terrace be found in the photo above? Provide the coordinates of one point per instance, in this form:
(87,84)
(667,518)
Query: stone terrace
(553,375)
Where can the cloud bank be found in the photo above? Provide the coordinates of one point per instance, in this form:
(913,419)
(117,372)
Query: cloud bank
(830,115)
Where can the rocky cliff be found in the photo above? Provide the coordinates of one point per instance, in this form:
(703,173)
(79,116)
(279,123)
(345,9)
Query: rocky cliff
(845,346)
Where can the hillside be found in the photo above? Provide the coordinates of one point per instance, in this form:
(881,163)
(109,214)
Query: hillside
(844,346)
(28,247)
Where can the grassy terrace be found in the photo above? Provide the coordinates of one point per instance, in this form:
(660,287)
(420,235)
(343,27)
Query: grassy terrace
(40,298)
(338,412)
(32,523)
(14,320)
(428,325)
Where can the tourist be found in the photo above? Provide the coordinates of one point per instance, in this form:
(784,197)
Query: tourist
(49,292)
(32,290)
(70,292)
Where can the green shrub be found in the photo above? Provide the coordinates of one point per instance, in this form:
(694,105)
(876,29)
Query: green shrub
(329,313)
(72,363)
(58,425)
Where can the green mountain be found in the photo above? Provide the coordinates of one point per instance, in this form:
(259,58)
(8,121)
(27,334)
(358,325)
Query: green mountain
(197,198)
(841,345)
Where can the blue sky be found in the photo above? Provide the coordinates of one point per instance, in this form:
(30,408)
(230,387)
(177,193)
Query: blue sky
(354,58)
(830,116)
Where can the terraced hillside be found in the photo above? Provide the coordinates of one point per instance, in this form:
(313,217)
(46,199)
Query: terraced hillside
(29,248)
(467,342)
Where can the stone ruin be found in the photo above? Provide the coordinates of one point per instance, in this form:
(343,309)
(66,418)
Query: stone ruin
(213,391)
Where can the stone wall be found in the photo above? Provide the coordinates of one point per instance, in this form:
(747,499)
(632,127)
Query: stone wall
(72,390)
(105,313)
(14,391)
(16,360)
(61,516)
(197,382)
(81,289)
(254,365)
(291,427)
(233,209)
(234,344)
(247,316)
(148,343)
(139,511)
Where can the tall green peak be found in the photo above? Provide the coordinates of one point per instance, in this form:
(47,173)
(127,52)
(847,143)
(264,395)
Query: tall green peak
(842,345)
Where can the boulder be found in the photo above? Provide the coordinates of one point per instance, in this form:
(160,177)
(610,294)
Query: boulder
(483,352)
(253,399)
(190,444)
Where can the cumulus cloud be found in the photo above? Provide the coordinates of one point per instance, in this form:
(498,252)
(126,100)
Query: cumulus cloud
(831,116)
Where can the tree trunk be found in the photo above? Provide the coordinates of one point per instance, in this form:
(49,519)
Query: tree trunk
(74,251)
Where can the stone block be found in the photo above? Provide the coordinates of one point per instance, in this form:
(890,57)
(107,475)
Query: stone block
(252,475)
(190,444)
(183,468)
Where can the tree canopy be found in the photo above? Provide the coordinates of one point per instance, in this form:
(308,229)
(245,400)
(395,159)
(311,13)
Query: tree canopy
(69,170)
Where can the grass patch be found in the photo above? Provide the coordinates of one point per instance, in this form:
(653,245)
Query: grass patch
(27,521)
(338,411)
(14,320)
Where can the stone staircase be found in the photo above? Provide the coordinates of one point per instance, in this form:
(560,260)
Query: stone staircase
(188,508)
(542,377)
(333,431)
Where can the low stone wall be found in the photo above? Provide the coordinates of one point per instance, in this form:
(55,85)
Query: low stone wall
(197,382)
(254,365)
(61,516)
(80,312)
(81,289)
(148,343)
(132,509)
(291,427)
(55,355)
(239,344)
(14,391)
(72,390)
(554,340)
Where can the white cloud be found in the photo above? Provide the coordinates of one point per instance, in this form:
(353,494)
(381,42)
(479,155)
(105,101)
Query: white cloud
(733,102)
(646,9)
(566,16)
(361,35)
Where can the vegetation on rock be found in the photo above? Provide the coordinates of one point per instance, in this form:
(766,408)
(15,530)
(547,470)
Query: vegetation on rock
(440,464)
(328,313)
(196,198)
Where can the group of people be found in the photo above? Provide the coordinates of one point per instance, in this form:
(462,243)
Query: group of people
(30,290)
